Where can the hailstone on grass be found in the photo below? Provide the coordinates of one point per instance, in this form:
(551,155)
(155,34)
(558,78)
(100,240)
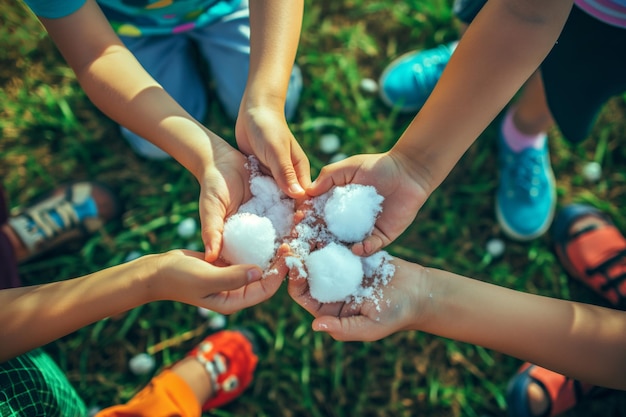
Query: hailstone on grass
(369,85)
(330,143)
(141,364)
(187,228)
(495,247)
(592,171)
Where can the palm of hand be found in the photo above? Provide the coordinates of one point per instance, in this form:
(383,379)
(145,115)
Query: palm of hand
(403,196)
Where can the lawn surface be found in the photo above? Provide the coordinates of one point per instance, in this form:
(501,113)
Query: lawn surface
(51,134)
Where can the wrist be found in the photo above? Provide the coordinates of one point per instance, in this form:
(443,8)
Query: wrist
(145,274)
(263,98)
(416,171)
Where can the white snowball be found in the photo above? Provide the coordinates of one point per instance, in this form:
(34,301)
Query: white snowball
(369,85)
(495,247)
(351,211)
(187,228)
(330,143)
(249,239)
(141,364)
(334,273)
(592,171)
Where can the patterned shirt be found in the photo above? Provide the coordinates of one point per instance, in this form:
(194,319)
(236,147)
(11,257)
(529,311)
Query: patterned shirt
(612,12)
(144,17)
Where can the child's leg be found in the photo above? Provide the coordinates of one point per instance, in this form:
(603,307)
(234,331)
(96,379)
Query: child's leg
(167,394)
(214,373)
(172,62)
(33,385)
(226,47)
(532,115)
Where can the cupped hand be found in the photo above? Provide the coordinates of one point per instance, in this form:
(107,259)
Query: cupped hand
(400,306)
(184,276)
(263,132)
(224,186)
(404,194)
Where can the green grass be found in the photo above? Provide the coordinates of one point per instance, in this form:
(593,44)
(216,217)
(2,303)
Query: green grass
(51,134)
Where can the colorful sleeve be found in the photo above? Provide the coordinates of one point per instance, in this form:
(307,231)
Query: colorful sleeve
(52,9)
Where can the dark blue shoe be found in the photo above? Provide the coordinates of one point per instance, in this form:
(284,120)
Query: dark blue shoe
(408,81)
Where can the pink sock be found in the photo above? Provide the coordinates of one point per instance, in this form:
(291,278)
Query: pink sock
(517,140)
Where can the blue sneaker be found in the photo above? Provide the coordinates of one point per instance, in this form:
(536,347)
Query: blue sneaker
(526,195)
(407,82)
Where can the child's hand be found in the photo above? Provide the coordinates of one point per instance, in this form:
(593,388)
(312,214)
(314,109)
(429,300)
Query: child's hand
(401,307)
(224,186)
(263,132)
(184,276)
(403,195)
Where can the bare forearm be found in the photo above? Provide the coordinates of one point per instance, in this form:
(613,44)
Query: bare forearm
(36,315)
(579,340)
(274,35)
(501,48)
(119,86)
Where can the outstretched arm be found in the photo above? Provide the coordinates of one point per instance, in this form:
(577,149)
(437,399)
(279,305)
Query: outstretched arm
(261,127)
(582,341)
(120,87)
(36,315)
(500,50)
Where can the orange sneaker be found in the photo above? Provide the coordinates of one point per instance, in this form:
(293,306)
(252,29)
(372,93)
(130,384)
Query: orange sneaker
(595,254)
(230,359)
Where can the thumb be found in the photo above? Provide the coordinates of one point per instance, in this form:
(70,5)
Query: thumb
(234,277)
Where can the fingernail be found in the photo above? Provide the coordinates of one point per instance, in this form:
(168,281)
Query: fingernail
(296,189)
(254,275)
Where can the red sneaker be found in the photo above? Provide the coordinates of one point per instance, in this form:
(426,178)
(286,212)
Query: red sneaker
(230,360)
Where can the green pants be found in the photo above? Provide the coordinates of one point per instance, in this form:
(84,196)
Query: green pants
(33,385)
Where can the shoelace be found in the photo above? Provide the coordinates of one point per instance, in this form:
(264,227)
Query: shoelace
(423,73)
(523,172)
(48,225)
